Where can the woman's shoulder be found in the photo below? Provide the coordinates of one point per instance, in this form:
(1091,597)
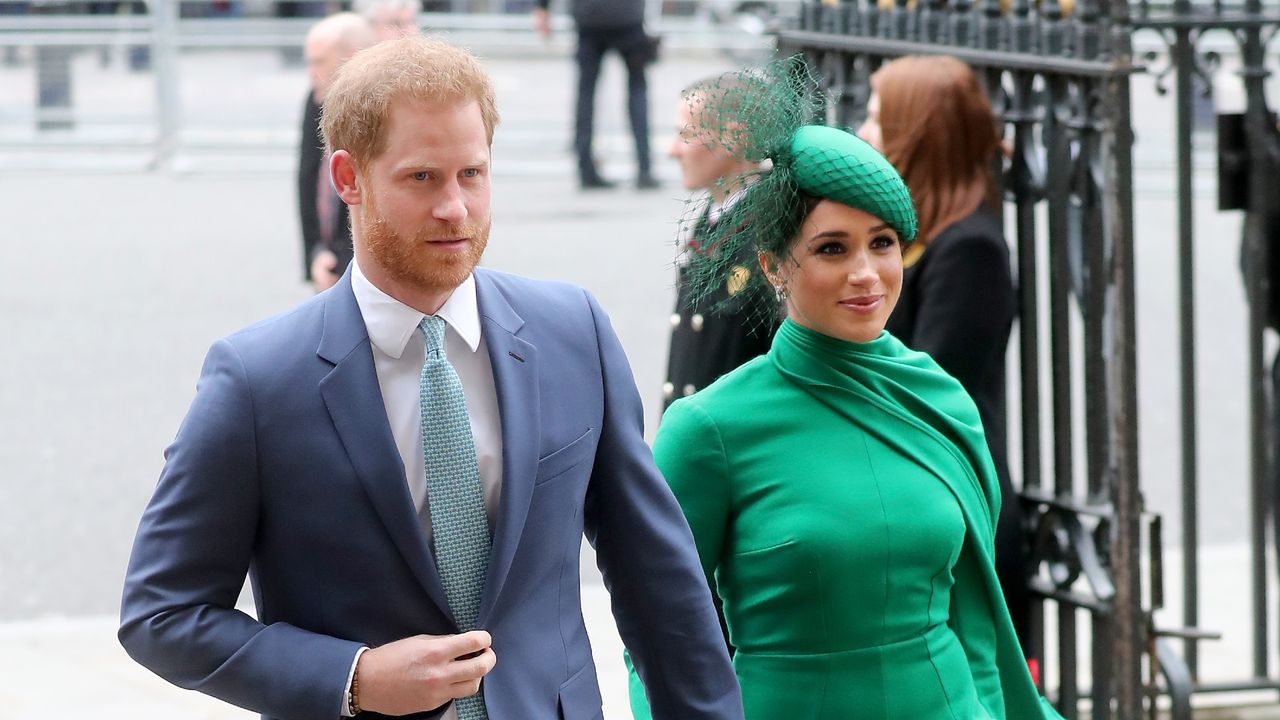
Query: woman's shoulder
(925,377)
(972,245)
(730,398)
(982,227)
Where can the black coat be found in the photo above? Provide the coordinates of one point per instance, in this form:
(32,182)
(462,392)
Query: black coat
(310,156)
(715,334)
(603,14)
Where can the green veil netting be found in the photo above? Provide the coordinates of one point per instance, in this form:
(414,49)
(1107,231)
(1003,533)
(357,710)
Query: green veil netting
(763,115)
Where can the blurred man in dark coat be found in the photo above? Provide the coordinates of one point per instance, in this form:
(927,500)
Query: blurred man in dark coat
(605,25)
(714,334)
(326,233)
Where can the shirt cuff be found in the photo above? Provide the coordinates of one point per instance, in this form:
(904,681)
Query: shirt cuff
(347,711)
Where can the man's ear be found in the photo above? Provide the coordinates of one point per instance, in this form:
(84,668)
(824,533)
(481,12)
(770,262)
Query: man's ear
(345,177)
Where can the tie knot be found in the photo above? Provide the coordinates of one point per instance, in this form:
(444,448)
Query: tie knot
(433,335)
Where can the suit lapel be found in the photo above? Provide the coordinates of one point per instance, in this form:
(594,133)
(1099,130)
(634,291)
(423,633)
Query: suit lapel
(515,377)
(351,395)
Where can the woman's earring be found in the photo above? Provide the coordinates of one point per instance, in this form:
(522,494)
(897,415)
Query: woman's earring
(780,291)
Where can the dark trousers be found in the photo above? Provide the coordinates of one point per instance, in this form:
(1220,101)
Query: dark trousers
(1013,566)
(629,42)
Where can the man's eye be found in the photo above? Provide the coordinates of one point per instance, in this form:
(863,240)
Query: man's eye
(420,176)
(470,172)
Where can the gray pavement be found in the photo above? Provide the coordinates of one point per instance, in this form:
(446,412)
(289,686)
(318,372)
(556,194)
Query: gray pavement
(118,280)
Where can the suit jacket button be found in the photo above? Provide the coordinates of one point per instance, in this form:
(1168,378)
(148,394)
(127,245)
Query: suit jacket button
(696,322)
(689,390)
(675,320)
(668,390)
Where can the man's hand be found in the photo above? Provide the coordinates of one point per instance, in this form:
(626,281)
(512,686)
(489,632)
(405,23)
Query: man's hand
(324,270)
(542,22)
(423,672)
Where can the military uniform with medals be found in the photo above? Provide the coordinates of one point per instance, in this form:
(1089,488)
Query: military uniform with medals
(715,334)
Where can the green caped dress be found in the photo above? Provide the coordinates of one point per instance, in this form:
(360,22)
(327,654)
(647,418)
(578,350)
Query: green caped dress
(843,502)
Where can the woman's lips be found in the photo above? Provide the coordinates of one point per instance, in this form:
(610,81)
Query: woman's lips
(863,304)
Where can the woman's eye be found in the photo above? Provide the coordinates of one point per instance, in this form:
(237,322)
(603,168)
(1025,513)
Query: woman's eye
(884,241)
(831,248)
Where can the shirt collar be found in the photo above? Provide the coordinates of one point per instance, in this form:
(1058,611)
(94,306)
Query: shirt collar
(390,323)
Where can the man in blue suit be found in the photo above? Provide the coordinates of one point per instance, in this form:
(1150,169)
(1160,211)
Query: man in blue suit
(405,464)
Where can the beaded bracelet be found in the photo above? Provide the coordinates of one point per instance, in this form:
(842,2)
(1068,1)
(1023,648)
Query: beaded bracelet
(353,695)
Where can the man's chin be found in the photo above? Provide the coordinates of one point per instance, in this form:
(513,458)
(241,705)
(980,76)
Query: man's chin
(440,273)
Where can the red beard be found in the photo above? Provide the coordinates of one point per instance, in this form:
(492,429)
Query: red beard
(415,262)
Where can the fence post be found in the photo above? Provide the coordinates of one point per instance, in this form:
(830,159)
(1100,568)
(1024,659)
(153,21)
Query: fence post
(1260,134)
(164,41)
(1183,54)
(1129,638)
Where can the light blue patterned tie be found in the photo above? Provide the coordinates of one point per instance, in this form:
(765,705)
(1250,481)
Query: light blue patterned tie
(455,497)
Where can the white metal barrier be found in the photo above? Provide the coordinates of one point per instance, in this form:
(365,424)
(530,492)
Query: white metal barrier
(106,79)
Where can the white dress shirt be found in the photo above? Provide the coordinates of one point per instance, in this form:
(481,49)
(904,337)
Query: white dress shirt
(398,356)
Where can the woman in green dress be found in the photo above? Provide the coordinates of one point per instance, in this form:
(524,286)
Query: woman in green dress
(839,488)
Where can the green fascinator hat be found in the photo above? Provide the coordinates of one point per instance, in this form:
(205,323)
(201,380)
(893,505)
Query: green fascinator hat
(766,115)
(830,163)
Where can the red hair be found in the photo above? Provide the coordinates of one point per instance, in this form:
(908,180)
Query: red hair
(938,130)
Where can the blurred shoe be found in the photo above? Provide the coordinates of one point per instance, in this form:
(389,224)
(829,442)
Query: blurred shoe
(595,182)
(647,182)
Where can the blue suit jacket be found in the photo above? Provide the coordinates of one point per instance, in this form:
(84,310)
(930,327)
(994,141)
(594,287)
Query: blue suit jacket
(285,468)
